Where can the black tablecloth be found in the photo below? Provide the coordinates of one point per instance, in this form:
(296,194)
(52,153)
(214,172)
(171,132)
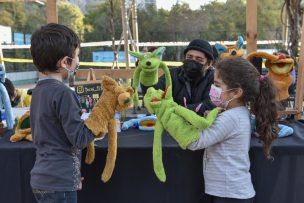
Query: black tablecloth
(134,181)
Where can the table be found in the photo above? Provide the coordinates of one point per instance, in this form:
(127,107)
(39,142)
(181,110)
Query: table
(134,181)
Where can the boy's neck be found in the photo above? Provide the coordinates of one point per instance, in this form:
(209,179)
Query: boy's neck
(56,76)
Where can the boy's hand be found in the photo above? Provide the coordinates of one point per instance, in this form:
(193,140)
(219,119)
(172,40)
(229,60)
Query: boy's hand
(80,184)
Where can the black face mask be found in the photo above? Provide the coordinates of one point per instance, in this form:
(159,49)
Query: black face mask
(193,70)
(16,101)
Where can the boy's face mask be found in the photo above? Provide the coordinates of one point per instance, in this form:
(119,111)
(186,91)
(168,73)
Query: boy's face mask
(215,96)
(72,73)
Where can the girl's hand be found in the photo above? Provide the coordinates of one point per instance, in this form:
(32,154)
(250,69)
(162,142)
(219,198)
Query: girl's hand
(80,184)
(206,113)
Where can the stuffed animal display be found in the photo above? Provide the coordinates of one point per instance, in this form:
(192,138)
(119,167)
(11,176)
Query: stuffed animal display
(146,72)
(182,124)
(5,100)
(279,68)
(235,50)
(23,129)
(114,98)
(145,123)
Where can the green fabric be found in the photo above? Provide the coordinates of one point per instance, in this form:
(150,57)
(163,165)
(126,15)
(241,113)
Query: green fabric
(182,124)
(25,123)
(147,69)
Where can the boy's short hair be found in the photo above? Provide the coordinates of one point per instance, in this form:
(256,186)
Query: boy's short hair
(51,43)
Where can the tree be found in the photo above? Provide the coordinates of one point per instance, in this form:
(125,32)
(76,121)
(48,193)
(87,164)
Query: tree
(294,12)
(13,15)
(225,21)
(71,16)
(269,23)
(99,18)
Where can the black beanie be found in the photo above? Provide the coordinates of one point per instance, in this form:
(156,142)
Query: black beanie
(202,46)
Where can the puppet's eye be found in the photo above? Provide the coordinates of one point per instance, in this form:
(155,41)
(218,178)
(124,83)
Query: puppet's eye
(146,56)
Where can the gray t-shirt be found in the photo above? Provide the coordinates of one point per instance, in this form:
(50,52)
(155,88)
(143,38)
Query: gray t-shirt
(226,161)
(59,135)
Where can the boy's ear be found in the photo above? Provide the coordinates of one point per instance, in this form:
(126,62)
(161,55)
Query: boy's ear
(137,55)
(63,62)
(158,52)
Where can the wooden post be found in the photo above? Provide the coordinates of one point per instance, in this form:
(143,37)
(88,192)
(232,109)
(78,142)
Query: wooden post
(285,27)
(300,80)
(52,13)
(251,26)
(124,16)
(135,25)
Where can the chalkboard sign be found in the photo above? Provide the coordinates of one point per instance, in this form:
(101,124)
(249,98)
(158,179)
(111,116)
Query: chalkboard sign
(88,94)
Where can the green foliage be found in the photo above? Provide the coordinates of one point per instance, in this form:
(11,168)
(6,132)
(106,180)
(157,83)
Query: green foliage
(98,17)
(71,16)
(213,21)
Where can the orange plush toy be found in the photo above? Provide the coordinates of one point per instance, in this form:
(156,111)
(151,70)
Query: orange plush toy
(114,98)
(235,50)
(279,68)
(23,129)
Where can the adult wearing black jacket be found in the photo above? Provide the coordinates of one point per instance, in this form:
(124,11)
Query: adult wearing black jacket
(192,81)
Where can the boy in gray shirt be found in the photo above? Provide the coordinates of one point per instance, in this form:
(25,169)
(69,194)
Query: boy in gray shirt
(58,132)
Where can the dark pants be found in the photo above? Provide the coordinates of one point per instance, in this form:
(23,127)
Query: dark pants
(43,196)
(213,199)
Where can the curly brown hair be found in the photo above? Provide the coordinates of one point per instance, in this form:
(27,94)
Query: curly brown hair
(258,93)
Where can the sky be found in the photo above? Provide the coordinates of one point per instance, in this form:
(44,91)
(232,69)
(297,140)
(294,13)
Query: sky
(194,4)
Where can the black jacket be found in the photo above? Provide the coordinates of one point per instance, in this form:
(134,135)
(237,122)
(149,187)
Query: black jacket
(195,93)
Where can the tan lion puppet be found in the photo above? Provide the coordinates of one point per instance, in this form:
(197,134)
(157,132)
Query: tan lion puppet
(114,98)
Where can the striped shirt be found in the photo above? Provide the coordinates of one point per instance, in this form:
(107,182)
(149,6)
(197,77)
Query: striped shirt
(226,161)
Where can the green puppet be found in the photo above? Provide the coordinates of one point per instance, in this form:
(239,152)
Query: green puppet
(182,124)
(146,71)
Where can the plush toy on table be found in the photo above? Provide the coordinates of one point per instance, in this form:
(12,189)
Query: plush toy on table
(5,102)
(114,98)
(23,129)
(147,69)
(279,68)
(235,50)
(145,123)
(182,124)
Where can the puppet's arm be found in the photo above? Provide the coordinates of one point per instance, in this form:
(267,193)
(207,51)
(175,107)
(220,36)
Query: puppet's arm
(17,137)
(135,84)
(167,74)
(8,107)
(29,137)
(90,156)
(112,151)
(157,152)
(196,120)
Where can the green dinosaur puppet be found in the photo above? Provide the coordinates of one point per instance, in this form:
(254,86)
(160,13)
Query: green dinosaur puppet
(182,124)
(146,71)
